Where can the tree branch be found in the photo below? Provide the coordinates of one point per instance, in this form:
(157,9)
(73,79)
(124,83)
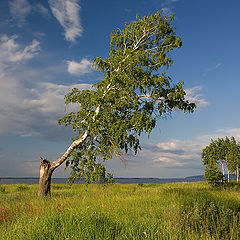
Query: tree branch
(74,144)
(77,142)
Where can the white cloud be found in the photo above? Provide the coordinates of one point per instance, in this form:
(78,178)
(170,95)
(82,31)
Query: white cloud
(41,9)
(19,10)
(50,99)
(29,108)
(167,11)
(11,51)
(177,153)
(79,68)
(167,7)
(32,111)
(210,69)
(172,158)
(231,132)
(193,95)
(174,153)
(168,2)
(67,13)
(222,133)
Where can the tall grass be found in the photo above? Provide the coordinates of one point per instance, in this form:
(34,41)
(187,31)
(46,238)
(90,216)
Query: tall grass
(145,211)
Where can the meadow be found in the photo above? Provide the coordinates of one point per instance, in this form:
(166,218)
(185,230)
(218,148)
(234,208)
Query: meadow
(121,211)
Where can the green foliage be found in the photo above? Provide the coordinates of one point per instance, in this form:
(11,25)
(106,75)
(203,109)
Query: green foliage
(232,185)
(233,155)
(216,151)
(213,175)
(224,151)
(134,93)
(213,154)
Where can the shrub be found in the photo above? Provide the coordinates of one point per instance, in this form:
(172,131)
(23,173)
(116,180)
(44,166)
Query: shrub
(213,175)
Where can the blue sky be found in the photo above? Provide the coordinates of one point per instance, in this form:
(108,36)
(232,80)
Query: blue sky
(46,48)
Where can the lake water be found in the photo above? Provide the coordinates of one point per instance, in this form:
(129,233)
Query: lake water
(117,180)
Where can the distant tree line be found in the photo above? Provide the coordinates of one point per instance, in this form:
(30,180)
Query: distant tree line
(224,154)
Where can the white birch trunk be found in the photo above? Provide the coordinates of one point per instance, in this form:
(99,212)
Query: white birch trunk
(237,173)
(228,176)
(47,168)
(223,171)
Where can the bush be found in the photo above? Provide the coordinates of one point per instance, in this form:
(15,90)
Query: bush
(213,175)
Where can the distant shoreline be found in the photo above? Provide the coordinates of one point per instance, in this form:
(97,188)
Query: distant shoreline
(32,180)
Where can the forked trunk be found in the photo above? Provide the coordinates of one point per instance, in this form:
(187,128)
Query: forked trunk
(44,188)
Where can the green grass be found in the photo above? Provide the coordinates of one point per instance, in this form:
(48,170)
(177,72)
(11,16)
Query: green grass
(121,211)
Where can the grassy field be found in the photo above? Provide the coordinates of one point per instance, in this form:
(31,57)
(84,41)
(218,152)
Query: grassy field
(121,211)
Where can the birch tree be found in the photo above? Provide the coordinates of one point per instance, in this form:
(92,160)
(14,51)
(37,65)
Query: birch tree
(135,92)
(210,156)
(222,152)
(233,157)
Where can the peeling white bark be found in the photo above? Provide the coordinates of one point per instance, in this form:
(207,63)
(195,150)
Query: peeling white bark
(223,169)
(41,171)
(74,144)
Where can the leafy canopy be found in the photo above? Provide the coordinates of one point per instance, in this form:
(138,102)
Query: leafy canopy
(213,175)
(225,151)
(134,93)
(233,155)
(216,151)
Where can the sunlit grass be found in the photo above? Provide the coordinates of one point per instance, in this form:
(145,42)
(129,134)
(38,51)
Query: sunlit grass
(120,211)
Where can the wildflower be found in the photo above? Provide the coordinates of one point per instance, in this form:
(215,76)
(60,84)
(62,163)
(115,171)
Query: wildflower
(3,217)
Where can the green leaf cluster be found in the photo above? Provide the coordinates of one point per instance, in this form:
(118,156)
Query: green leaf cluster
(225,152)
(134,93)
(213,175)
